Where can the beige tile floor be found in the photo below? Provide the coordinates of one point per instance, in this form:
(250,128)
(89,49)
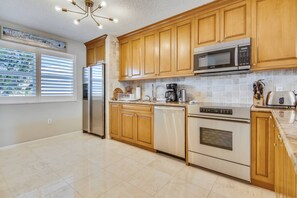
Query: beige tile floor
(81,165)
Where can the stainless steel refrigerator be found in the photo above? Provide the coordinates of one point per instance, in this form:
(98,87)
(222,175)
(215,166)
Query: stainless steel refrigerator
(94,100)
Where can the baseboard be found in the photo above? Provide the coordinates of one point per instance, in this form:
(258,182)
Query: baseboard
(28,142)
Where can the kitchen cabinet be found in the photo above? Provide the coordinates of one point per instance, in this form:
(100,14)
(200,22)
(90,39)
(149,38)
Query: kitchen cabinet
(150,52)
(166,51)
(262,161)
(124,60)
(127,126)
(136,124)
(207,29)
(96,51)
(131,58)
(184,47)
(228,23)
(136,57)
(144,129)
(235,21)
(114,118)
(274,35)
(285,176)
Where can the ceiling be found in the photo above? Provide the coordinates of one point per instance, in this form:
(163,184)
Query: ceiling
(132,15)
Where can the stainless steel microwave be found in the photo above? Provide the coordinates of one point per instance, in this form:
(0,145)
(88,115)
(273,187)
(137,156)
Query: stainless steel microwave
(227,57)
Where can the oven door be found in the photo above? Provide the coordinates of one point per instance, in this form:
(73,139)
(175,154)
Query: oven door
(225,140)
(216,61)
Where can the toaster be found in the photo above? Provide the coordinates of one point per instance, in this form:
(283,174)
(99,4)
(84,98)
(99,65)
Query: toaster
(281,99)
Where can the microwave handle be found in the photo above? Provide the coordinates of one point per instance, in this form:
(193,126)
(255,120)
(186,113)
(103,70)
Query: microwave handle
(236,56)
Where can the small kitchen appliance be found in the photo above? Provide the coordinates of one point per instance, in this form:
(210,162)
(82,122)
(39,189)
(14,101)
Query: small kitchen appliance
(282,99)
(223,58)
(182,96)
(171,93)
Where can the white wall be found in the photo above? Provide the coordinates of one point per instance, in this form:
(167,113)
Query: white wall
(25,122)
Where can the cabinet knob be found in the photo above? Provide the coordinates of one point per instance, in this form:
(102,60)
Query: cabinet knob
(254,64)
(275,144)
(279,137)
(270,117)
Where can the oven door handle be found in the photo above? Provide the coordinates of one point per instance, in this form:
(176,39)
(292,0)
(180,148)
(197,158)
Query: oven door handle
(221,118)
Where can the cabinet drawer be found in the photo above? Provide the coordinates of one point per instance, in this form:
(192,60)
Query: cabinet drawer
(131,107)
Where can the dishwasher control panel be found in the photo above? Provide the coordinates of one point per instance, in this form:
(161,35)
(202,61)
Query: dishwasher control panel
(216,111)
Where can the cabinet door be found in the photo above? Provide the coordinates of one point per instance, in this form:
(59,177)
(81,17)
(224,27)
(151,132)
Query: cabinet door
(100,53)
(207,29)
(184,48)
(290,177)
(235,21)
(91,60)
(124,60)
(262,166)
(136,57)
(145,134)
(166,51)
(114,119)
(281,167)
(127,126)
(150,49)
(277,164)
(274,26)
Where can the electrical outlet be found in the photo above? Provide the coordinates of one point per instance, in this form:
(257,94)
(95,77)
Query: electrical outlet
(49,121)
(279,88)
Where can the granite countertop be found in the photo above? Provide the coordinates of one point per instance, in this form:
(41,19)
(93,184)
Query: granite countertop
(286,122)
(141,102)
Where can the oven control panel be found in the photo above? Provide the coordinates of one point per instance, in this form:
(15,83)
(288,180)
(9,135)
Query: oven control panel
(216,111)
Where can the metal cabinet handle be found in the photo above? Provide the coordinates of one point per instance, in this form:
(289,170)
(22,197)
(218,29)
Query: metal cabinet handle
(279,137)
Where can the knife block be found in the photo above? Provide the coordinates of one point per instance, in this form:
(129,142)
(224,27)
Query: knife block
(258,102)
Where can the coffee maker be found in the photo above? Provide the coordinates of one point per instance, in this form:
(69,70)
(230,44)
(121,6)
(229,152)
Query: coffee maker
(171,93)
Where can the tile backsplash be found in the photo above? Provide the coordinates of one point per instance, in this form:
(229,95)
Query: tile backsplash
(227,89)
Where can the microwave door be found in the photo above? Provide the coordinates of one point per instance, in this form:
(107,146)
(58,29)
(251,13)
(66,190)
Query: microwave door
(214,61)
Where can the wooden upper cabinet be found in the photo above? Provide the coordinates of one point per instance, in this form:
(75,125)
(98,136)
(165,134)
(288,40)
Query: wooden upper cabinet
(96,50)
(114,128)
(91,59)
(207,29)
(150,52)
(274,25)
(136,57)
(124,60)
(262,166)
(235,21)
(100,53)
(166,51)
(184,48)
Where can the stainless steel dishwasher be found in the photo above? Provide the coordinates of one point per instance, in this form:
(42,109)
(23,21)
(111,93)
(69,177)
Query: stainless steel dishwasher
(169,130)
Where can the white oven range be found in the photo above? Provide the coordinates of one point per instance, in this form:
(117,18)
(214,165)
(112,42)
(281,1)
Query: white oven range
(219,138)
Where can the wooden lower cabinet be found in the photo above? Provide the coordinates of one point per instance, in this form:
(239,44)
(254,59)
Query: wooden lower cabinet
(127,126)
(114,118)
(144,130)
(262,165)
(285,176)
(132,124)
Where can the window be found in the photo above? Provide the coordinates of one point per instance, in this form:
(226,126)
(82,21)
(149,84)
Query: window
(29,74)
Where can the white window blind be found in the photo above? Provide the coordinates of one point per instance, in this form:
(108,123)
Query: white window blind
(57,76)
(17,73)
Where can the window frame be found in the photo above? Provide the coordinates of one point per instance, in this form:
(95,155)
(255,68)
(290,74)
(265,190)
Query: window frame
(38,98)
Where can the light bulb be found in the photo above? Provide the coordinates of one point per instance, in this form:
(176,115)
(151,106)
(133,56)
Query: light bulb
(103,4)
(76,21)
(58,9)
(115,20)
(100,26)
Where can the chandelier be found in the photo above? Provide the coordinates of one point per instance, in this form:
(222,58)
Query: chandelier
(89,10)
